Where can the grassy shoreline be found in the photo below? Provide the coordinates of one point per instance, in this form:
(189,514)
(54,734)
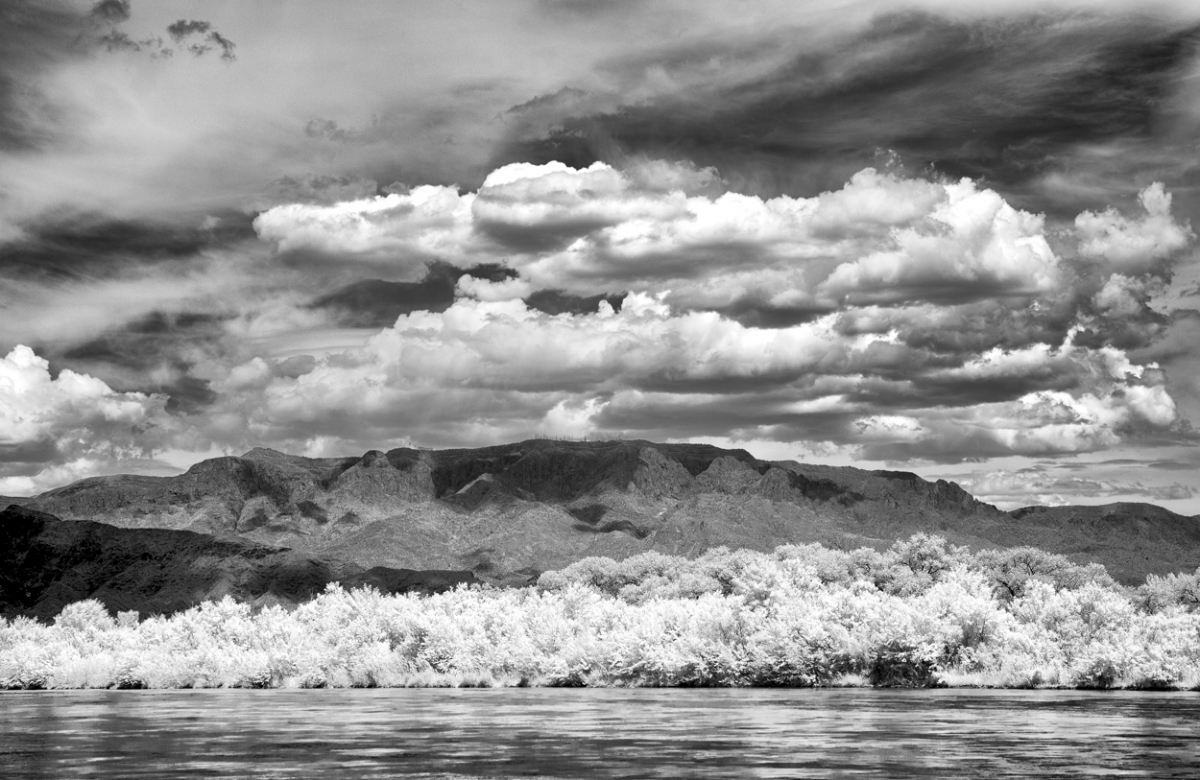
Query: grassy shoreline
(918,615)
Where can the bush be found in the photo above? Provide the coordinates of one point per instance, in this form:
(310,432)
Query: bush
(922,613)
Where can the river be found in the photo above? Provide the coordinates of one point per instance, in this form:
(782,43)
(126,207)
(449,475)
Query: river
(597,733)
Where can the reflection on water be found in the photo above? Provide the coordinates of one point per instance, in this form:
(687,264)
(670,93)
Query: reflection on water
(597,734)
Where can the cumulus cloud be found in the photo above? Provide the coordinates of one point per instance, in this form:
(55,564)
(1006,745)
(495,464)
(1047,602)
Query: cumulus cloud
(877,318)
(1134,246)
(70,417)
(1125,297)
(947,265)
(489,290)
(906,318)
(491,366)
(410,230)
(973,244)
(880,238)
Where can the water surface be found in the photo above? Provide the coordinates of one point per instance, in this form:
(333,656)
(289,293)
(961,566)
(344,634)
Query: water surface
(574,733)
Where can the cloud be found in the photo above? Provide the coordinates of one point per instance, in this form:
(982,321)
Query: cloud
(546,206)
(45,419)
(185,28)
(1041,423)
(153,354)
(975,246)
(1134,247)
(490,366)
(325,190)
(900,344)
(374,303)
(34,38)
(73,245)
(407,231)
(210,39)
(111,11)
(881,239)
(908,318)
(1003,94)
(1011,489)
(834,227)
(1125,297)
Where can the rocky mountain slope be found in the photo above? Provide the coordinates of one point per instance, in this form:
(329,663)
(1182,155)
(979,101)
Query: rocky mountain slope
(509,512)
(1131,539)
(46,563)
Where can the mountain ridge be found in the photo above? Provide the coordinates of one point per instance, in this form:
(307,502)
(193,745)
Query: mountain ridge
(508,512)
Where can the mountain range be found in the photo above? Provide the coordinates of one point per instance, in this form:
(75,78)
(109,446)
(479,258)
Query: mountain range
(506,513)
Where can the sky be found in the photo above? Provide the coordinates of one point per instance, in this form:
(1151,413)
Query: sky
(950,238)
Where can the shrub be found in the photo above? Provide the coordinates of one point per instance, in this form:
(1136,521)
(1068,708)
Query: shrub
(919,614)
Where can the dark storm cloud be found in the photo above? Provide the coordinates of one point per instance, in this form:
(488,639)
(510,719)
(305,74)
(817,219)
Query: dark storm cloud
(560,302)
(758,314)
(375,303)
(937,391)
(152,354)
(1003,100)
(72,245)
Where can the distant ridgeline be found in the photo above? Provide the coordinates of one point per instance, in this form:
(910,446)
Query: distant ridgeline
(510,512)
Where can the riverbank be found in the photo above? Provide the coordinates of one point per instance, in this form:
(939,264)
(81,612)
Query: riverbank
(918,615)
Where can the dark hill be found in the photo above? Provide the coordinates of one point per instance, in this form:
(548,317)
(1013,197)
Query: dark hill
(1132,539)
(508,512)
(46,563)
